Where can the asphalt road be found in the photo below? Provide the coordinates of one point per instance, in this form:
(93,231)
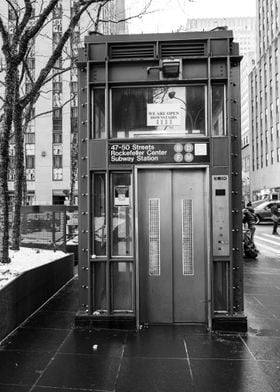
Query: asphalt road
(267,243)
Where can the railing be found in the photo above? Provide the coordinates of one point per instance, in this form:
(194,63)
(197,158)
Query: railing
(47,226)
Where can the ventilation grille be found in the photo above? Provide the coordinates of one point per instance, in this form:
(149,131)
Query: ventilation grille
(182,49)
(187,237)
(132,50)
(154,237)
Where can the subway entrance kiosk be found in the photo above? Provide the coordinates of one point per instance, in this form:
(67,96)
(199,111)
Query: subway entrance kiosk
(160,226)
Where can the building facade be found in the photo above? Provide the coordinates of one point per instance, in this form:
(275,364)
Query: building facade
(264,104)
(51,135)
(245,34)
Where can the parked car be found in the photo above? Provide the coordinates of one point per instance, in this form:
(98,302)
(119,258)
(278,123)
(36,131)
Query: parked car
(262,211)
(258,202)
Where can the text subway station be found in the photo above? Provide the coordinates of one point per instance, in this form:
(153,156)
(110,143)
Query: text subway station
(133,153)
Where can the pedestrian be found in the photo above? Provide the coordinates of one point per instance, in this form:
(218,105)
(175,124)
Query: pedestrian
(249,218)
(275,218)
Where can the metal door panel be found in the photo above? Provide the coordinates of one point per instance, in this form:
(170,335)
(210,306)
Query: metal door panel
(189,246)
(174,290)
(155,286)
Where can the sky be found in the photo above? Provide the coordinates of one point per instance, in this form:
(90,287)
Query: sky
(170,15)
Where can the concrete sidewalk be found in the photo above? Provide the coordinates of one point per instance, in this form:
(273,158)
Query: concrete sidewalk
(47,354)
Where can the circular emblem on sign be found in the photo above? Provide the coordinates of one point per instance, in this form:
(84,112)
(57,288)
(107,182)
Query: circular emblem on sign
(178,147)
(178,157)
(188,157)
(188,147)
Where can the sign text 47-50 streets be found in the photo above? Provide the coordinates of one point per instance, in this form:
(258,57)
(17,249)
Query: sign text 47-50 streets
(137,153)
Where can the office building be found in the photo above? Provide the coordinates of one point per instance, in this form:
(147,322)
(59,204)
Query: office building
(264,104)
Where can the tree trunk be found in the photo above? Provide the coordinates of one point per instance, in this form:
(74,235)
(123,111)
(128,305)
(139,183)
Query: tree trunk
(74,173)
(5,133)
(19,171)
(4,193)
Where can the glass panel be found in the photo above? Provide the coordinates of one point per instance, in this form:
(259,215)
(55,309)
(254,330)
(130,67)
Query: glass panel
(99,288)
(154,237)
(99,114)
(158,111)
(220,286)
(218,110)
(187,237)
(99,215)
(121,221)
(121,277)
(195,110)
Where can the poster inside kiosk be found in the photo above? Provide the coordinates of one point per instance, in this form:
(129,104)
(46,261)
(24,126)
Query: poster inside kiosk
(121,195)
(164,114)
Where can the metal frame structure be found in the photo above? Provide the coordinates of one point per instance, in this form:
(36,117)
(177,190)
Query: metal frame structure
(134,60)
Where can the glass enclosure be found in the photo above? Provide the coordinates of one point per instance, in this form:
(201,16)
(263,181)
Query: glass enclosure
(121,283)
(121,214)
(221,286)
(100,287)
(99,214)
(166,111)
(98,115)
(161,111)
(218,127)
(112,280)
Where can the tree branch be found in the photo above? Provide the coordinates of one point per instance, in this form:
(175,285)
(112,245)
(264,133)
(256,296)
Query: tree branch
(5,39)
(53,109)
(26,17)
(32,32)
(57,51)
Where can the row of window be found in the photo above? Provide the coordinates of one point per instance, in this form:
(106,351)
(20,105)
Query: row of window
(266,160)
(161,111)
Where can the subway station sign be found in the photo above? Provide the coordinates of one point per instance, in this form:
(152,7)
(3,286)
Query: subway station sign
(149,153)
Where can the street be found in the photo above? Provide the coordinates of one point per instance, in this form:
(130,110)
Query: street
(267,243)
(262,289)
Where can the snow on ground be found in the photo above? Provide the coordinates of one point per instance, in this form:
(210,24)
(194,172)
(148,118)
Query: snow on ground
(25,259)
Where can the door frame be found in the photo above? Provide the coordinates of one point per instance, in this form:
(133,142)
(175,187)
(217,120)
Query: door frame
(208,279)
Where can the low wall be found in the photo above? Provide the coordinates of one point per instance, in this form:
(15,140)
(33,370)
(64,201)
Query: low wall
(22,296)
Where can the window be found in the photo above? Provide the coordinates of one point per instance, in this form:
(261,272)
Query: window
(158,111)
(30,63)
(218,110)
(57,161)
(57,124)
(74,87)
(29,138)
(57,113)
(57,137)
(121,283)
(57,87)
(121,210)
(98,114)
(74,112)
(99,230)
(30,162)
(30,149)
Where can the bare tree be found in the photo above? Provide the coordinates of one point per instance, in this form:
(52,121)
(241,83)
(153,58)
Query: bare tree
(17,107)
